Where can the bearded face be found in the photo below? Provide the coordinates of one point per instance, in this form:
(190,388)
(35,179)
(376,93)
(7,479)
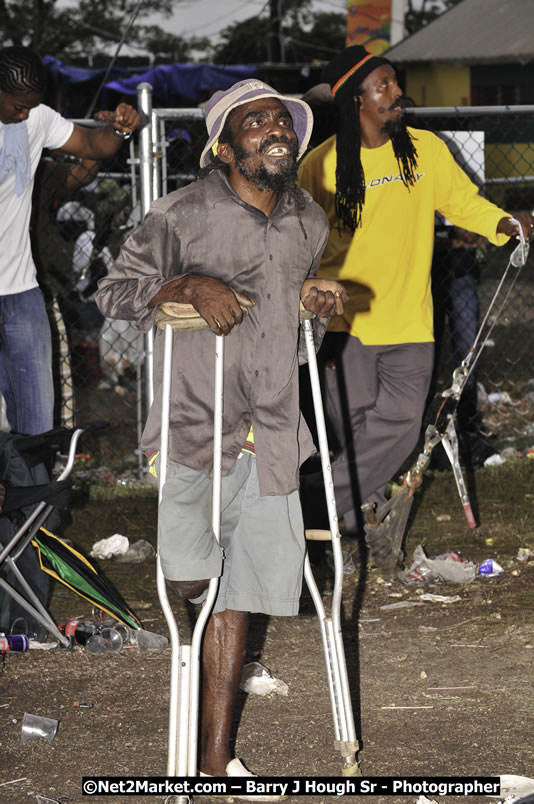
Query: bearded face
(279,175)
(263,144)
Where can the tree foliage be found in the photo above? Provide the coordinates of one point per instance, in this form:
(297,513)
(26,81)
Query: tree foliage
(91,27)
(419,14)
(304,36)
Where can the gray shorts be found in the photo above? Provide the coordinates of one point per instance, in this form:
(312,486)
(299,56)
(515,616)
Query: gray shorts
(261,556)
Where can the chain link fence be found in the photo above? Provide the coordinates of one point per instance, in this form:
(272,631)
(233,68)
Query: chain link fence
(101,365)
(495,146)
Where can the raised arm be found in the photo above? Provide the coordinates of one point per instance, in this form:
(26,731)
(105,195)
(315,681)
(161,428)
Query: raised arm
(102,143)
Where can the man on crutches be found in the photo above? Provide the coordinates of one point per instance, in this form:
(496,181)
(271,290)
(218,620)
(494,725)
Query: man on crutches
(240,245)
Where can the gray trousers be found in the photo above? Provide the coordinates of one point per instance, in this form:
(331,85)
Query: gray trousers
(375,398)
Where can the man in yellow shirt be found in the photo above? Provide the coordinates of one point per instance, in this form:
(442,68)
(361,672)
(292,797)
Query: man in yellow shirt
(380,184)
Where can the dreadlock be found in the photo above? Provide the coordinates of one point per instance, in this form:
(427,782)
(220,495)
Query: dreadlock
(350,177)
(21,71)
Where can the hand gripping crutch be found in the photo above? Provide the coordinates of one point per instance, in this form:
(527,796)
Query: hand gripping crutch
(185,659)
(332,638)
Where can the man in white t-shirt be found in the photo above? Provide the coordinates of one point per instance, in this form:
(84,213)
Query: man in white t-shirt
(26,127)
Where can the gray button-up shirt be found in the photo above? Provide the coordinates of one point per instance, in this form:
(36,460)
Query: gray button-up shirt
(206,229)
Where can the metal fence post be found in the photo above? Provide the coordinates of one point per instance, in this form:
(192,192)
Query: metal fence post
(146,173)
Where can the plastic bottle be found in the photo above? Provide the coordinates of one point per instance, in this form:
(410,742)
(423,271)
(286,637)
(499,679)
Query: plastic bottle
(107,640)
(14,642)
(79,630)
(142,639)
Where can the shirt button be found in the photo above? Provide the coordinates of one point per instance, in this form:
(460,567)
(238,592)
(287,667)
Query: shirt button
(257,373)
(268,295)
(263,334)
(270,256)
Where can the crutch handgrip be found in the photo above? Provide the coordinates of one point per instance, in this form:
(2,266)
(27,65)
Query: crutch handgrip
(316,535)
(181,316)
(184,316)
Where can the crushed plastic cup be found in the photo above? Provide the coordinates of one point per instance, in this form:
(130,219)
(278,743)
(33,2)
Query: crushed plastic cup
(108,640)
(348,562)
(147,640)
(142,639)
(35,726)
(450,567)
(490,568)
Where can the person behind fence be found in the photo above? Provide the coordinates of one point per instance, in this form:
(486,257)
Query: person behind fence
(27,126)
(242,237)
(380,183)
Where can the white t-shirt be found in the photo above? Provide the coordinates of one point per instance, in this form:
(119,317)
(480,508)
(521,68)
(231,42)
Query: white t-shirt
(46,129)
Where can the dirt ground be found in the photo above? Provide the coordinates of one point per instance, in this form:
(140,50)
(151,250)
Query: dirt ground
(438,688)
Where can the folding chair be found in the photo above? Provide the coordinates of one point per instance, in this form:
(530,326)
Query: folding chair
(185,661)
(14,549)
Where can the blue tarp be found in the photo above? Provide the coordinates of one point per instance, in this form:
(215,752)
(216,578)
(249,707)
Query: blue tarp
(67,74)
(190,82)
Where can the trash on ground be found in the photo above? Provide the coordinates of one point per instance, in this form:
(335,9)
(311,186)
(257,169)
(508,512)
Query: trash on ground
(465,687)
(509,453)
(138,551)
(14,642)
(440,598)
(500,396)
(466,645)
(443,518)
(348,562)
(35,726)
(36,644)
(495,460)
(402,604)
(110,636)
(515,786)
(524,553)
(449,567)
(106,640)
(407,707)
(259,680)
(147,640)
(14,781)
(46,800)
(490,568)
(112,546)
(425,800)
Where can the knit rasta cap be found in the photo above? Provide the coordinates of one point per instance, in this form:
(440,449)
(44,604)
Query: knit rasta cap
(348,69)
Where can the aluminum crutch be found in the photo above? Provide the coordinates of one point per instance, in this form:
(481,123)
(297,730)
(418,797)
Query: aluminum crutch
(185,659)
(332,638)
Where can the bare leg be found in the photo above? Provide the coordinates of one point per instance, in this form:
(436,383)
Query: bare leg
(223,652)
(222,660)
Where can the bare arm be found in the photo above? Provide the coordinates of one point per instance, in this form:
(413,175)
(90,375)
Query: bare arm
(101,143)
(82,174)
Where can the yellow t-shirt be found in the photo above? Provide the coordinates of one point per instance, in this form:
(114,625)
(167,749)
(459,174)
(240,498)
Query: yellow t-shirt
(391,252)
